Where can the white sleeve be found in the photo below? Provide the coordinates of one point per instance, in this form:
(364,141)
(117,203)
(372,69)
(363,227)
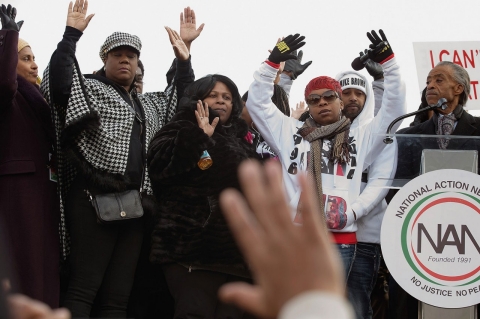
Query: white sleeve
(378,89)
(380,174)
(316,305)
(393,106)
(273,125)
(286,83)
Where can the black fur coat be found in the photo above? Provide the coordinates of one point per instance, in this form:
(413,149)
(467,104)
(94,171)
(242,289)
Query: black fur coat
(189,227)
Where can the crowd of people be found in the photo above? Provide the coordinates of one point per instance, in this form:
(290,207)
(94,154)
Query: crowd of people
(198,201)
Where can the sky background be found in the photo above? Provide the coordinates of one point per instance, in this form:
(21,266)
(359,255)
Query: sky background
(237,34)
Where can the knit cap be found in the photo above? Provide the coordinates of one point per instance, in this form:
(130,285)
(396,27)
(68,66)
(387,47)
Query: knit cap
(352,80)
(118,39)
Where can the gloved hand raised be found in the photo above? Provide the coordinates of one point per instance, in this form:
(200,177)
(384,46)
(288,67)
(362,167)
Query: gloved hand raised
(282,51)
(7,16)
(294,67)
(374,69)
(381,49)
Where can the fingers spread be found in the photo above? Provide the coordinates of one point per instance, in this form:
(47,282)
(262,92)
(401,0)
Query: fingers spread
(384,38)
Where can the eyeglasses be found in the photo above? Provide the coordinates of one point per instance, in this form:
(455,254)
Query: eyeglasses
(328,96)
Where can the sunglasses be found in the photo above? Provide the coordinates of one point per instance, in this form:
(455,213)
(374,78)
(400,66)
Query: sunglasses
(328,96)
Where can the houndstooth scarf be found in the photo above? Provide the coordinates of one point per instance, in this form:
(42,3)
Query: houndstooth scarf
(104,144)
(314,133)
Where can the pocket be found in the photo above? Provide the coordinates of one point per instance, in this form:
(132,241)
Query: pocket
(17,167)
(367,250)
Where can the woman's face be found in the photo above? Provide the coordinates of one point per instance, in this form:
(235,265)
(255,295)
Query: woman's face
(26,66)
(121,65)
(220,100)
(327,110)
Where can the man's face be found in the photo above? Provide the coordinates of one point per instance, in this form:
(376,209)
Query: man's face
(121,65)
(354,100)
(26,67)
(440,84)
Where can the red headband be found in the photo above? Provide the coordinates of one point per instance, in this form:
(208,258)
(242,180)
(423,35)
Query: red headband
(323,82)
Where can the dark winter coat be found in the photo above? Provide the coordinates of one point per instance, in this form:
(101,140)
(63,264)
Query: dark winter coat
(29,205)
(410,150)
(189,227)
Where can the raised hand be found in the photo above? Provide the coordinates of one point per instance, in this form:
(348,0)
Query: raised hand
(281,51)
(381,49)
(294,67)
(77,15)
(7,16)
(188,27)
(179,47)
(298,111)
(286,259)
(374,69)
(202,119)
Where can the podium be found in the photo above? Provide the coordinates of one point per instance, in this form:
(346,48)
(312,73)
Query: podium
(431,230)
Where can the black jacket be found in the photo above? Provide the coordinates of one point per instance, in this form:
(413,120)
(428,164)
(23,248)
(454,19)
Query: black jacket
(189,227)
(410,149)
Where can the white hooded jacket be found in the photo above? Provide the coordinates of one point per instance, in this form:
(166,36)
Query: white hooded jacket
(341,183)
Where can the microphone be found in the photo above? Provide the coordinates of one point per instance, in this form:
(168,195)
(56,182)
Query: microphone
(359,62)
(442,103)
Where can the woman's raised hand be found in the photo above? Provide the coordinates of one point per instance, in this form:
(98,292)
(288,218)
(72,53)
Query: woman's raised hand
(188,26)
(77,15)
(299,110)
(202,119)
(181,51)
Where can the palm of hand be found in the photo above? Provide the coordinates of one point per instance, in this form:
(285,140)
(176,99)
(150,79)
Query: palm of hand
(189,32)
(77,20)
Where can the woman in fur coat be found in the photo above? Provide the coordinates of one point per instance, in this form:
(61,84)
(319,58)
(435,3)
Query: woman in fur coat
(190,238)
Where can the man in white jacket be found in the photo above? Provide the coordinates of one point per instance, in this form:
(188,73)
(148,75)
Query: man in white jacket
(341,182)
(370,204)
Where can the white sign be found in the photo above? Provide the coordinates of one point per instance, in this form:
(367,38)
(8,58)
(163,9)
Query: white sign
(465,54)
(431,238)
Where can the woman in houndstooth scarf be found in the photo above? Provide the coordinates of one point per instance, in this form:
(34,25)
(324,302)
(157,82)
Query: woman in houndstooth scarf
(103,130)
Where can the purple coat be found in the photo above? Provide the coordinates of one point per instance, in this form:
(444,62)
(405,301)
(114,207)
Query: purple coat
(29,205)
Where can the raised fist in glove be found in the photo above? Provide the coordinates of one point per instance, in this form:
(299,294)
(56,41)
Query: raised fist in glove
(7,16)
(374,69)
(294,67)
(283,49)
(381,49)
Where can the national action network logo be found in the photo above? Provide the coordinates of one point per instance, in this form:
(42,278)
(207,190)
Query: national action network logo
(431,238)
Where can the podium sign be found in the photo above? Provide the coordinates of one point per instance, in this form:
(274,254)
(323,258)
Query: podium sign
(432,231)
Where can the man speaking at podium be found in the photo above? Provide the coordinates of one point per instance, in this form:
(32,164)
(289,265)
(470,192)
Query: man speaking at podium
(452,82)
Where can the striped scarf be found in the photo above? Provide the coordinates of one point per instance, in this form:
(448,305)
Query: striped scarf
(315,134)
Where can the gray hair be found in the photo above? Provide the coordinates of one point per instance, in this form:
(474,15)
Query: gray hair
(460,75)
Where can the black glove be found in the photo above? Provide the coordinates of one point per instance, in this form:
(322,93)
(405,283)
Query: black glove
(381,49)
(295,66)
(7,16)
(374,69)
(281,52)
